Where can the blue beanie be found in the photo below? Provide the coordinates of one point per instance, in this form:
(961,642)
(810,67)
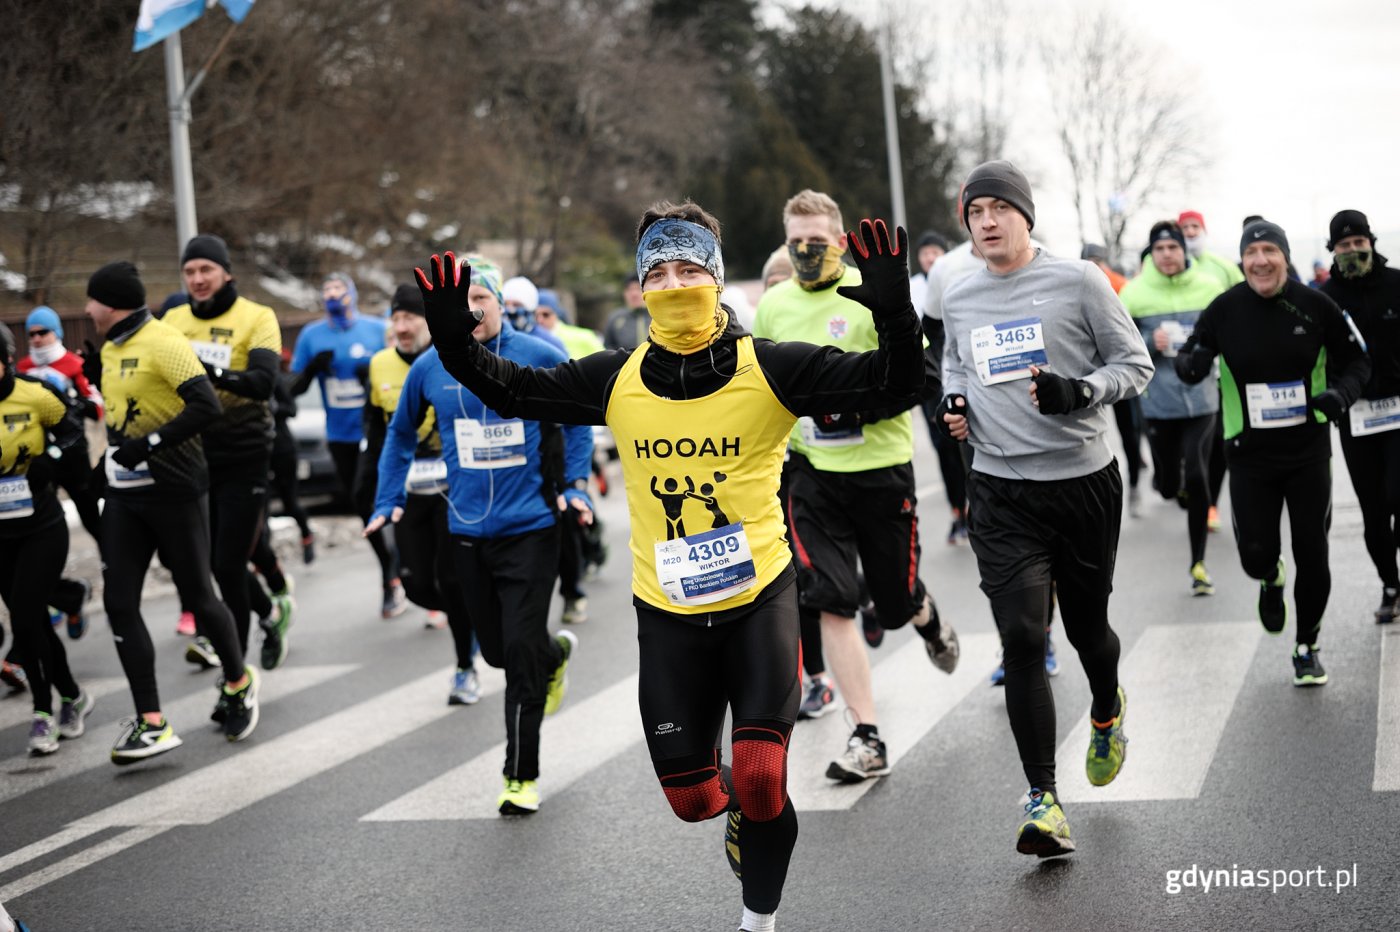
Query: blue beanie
(45,318)
(550,299)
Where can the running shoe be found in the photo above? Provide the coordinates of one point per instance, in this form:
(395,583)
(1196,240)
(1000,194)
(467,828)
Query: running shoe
(466,687)
(73,713)
(185,625)
(1307,668)
(520,797)
(78,624)
(274,626)
(12,675)
(1390,606)
(435,621)
(394,601)
(308,549)
(1213,519)
(141,740)
(1045,832)
(1107,746)
(201,653)
(731,842)
(1201,583)
(943,651)
(819,700)
(870,625)
(1052,664)
(864,758)
(43,735)
(559,682)
(575,611)
(1273,609)
(998,677)
(55,616)
(241,708)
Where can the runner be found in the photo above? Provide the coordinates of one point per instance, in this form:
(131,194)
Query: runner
(42,443)
(1038,348)
(335,352)
(703,401)
(851,495)
(240,344)
(1280,344)
(1165,300)
(422,532)
(1365,286)
(158,400)
(501,513)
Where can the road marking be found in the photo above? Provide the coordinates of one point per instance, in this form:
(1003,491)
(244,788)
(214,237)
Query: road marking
(1387,773)
(19,709)
(24,774)
(911,697)
(1177,712)
(218,790)
(573,743)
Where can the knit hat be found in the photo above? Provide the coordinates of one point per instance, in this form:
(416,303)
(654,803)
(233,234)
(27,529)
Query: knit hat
(520,289)
(207,246)
(1262,231)
(999,179)
(1093,252)
(486,274)
(117,285)
(1191,215)
(930,238)
(407,298)
(1169,230)
(45,318)
(550,299)
(1349,223)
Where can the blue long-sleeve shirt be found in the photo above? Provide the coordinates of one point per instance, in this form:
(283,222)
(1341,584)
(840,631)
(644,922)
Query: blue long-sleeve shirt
(498,481)
(342,390)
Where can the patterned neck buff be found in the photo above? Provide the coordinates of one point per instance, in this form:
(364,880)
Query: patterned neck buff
(673,240)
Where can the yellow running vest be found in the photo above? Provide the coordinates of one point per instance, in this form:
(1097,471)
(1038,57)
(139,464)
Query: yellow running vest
(702,487)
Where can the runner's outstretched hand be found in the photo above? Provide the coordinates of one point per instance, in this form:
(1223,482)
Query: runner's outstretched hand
(451,319)
(884,269)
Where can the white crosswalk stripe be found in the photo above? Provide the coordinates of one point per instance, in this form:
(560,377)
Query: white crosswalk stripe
(1176,712)
(1387,773)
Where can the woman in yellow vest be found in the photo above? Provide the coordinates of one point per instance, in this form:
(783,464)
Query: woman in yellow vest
(701,412)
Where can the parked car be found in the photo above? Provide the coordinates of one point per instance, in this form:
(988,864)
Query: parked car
(315,468)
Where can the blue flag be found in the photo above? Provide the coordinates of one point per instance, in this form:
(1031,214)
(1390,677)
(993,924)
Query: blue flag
(161,18)
(236,9)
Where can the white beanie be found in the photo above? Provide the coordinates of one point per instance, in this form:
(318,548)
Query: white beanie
(523,290)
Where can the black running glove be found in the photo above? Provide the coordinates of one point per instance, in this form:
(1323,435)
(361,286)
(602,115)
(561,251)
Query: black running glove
(884,269)
(1194,366)
(321,362)
(1330,403)
(1055,394)
(451,319)
(132,452)
(951,404)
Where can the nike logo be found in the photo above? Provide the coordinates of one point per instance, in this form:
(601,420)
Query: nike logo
(1259,233)
(1035,303)
(1298,330)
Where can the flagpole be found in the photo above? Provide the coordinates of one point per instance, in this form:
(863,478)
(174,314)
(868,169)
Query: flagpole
(180,162)
(891,124)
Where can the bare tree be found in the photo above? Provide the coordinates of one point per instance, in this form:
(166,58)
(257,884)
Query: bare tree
(1125,125)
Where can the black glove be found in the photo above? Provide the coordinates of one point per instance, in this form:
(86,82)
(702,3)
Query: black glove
(210,369)
(834,422)
(451,319)
(1194,366)
(1330,403)
(132,452)
(321,362)
(951,404)
(362,369)
(884,269)
(92,363)
(1055,394)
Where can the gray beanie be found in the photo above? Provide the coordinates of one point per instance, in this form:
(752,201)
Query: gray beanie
(999,179)
(1262,231)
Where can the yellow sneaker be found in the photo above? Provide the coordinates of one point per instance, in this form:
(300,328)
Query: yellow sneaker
(559,682)
(520,797)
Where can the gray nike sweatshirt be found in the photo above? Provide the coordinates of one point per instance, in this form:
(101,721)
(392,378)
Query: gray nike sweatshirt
(1087,335)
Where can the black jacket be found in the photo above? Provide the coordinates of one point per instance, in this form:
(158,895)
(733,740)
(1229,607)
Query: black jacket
(1373,301)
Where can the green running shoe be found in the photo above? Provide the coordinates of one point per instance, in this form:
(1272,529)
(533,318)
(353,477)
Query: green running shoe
(520,797)
(1107,746)
(1307,668)
(274,626)
(559,682)
(1045,833)
(1201,583)
(1273,609)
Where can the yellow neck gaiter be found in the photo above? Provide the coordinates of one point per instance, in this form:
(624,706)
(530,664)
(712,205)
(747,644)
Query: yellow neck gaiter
(816,266)
(684,320)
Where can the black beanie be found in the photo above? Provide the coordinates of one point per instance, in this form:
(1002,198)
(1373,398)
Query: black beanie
(1349,223)
(207,246)
(1262,231)
(931,238)
(117,285)
(1168,229)
(407,298)
(1002,180)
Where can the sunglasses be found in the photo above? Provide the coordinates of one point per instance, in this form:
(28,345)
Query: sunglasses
(39,333)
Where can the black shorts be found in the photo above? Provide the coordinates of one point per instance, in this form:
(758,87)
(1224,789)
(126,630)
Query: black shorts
(835,517)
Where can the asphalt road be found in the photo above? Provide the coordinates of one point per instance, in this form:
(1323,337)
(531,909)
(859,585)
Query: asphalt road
(364,802)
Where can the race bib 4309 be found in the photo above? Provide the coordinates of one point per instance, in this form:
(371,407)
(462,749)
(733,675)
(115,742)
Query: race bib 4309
(705,567)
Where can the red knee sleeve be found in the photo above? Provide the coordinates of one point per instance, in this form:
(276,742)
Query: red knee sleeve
(760,774)
(698,802)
